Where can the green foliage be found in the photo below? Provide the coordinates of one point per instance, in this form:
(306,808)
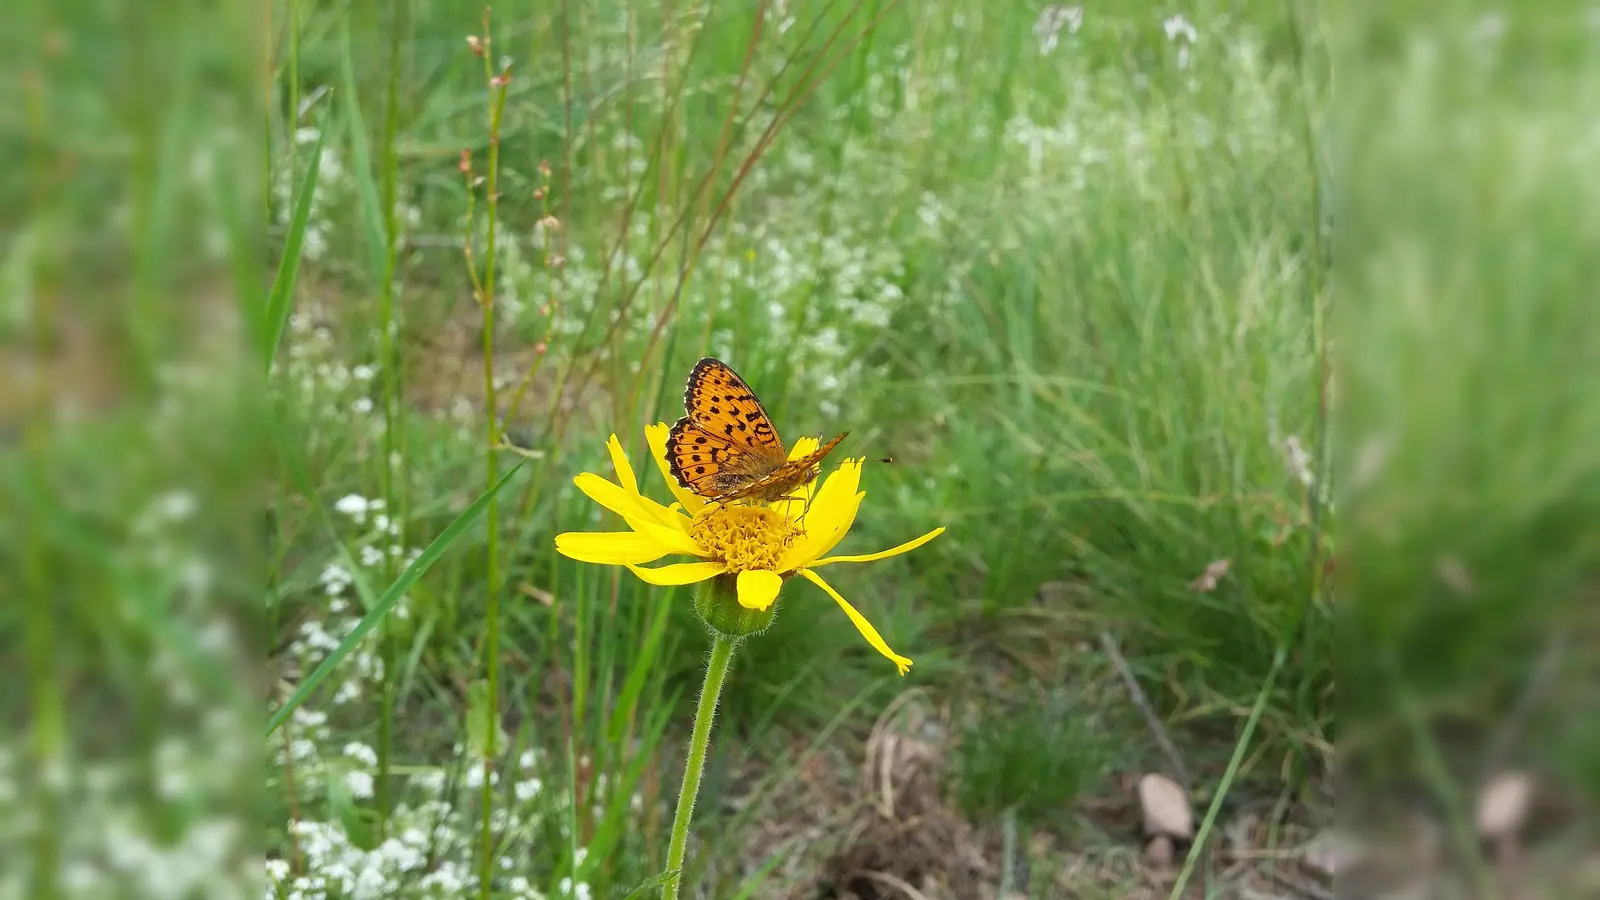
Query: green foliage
(1083,312)
(1035,759)
(1076,285)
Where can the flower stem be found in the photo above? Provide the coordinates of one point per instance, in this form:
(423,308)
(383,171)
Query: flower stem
(721,654)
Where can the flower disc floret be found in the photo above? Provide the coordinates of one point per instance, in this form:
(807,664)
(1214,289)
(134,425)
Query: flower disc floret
(744,538)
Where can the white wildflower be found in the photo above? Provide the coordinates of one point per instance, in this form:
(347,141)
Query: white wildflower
(359,783)
(1177,27)
(1047,28)
(353,505)
(1299,460)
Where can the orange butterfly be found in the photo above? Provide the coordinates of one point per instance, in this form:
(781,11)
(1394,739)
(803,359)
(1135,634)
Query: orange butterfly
(726,448)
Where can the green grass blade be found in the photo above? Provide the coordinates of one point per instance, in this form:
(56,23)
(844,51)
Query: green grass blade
(643,665)
(1239,748)
(397,590)
(759,877)
(649,884)
(278,301)
(372,216)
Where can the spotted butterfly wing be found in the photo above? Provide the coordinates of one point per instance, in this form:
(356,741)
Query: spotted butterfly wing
(726,447)
(707,464)
(723,405)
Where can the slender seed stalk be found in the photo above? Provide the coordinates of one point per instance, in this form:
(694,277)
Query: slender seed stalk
(716,669)
(484,287)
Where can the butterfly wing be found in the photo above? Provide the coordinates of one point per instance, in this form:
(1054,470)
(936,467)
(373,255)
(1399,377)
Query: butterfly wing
(709,464)
(723,405)
(784,480)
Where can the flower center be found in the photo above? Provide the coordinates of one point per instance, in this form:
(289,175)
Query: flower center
(744,537)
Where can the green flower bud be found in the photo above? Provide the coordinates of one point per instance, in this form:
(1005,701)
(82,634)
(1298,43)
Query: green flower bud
(716,600)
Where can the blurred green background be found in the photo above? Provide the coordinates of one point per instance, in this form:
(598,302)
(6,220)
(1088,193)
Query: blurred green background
(1071,267)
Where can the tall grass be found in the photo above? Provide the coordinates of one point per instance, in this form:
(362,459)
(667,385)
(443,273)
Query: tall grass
(1071,268)
(1469,443)
(1076,292)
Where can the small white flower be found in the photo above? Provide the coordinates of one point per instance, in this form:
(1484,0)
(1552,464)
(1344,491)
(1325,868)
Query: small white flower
(353,505)
(1299,460)
(335,578)
(361,752)
(1047,27)
(313,244)
(363,372)
(359,783)
(175,506)
(1177,26)
(362,406)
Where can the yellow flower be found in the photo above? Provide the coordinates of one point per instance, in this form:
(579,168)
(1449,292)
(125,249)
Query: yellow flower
(760,545)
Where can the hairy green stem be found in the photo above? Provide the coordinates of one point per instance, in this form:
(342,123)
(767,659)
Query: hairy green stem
(716,670)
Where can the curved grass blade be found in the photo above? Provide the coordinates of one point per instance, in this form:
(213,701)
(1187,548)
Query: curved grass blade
(277,311)
(649,885)
(390,597)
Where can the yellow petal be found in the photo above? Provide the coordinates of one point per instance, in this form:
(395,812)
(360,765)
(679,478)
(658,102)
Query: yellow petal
(657,436)
(793,506)
(907,547)
(861,623)
(758,588)
(803,446)
(612,548)
(668,536)
(625,503)
(832,512)
(641,513)
(619,461)
(679,573)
